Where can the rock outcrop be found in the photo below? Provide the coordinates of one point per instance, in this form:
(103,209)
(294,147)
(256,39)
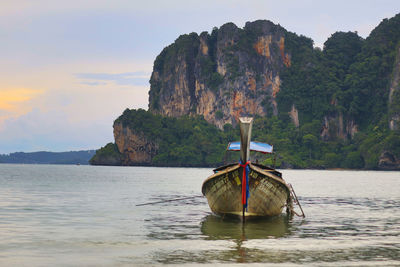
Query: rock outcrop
(135,148)
(294,116)
(388,161)
(335,127)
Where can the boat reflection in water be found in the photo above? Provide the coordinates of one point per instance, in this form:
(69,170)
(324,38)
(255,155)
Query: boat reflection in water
(217,227)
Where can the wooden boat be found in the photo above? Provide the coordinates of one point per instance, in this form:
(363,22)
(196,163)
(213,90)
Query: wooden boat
(247,189)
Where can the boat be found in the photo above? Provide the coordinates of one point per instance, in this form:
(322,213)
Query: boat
(247,189)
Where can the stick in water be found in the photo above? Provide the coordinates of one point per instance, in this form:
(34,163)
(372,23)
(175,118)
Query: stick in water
(168,200)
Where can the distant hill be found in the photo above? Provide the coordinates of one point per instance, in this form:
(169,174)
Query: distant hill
(43,157)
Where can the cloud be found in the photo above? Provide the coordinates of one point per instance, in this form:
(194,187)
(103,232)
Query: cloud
(16,102)
(138,78)
(11,99)
(93,83)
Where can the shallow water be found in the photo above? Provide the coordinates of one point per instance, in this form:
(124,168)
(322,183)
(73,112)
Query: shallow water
(87,215)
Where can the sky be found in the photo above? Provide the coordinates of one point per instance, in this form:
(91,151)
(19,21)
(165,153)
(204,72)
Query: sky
(68,69)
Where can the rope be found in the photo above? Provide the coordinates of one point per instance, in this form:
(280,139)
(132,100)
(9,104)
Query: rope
(167,200)
(296,201)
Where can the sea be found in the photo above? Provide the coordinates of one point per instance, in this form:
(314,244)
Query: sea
(70,215)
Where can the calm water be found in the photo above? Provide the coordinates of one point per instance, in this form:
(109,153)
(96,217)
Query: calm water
(86,215)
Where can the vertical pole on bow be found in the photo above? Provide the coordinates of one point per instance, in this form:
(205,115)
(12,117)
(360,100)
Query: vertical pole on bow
(245,124)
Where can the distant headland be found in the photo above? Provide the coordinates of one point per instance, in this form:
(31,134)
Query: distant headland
(43,157)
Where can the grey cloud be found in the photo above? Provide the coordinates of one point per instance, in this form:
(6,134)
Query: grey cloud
(93,83)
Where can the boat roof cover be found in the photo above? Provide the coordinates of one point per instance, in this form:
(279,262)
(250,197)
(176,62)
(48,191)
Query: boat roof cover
(254,146)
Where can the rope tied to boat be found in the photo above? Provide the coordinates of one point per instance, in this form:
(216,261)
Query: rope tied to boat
(245,183)
(293,198)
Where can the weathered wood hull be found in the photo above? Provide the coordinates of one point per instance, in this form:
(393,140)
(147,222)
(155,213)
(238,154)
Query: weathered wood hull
(269,193)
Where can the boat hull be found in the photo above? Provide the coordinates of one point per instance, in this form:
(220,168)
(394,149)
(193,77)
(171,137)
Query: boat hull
(269,193)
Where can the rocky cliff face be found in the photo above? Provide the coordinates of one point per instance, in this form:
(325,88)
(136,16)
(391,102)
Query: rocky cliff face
(134,147)
(230,73)
(336,126)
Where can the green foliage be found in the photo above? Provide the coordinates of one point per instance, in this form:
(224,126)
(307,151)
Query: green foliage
(350,75)
(349,78)
(354,160)
(215,80)
(317,77)
(219,115)
(392,143)
(233,68)
(310,141)
(302,148)
(209,73)
(207,66)
(332,160)
(313,128)
(366,87)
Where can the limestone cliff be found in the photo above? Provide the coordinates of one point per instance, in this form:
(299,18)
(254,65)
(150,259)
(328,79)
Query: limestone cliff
(134,146)
(222,76)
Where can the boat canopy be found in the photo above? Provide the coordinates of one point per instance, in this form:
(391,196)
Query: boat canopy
(254,146)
